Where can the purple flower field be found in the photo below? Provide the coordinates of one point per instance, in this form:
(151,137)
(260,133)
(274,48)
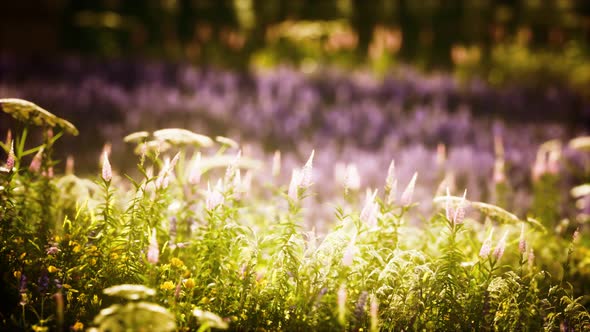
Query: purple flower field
(345,116)
(197,199)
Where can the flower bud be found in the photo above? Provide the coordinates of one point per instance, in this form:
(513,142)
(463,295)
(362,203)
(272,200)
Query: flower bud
(486,247)
(36,162)
(500,247)
(214,197)
(307,172)
(10,159)
(107,172)
(370,209)
(406,198)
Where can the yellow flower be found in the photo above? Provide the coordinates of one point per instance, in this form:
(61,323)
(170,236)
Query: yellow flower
(92,262)
(52,269)
(78,326)
(38,328)
(189,283)
(175,262)
(17,274)
(167,285)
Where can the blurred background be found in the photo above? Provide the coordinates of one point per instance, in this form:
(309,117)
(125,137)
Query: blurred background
(499,39)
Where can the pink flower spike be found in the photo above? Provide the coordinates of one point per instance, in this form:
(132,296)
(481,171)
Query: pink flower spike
(460,210)
(230,171)
(107,172)
(486,247)
(214,197)
(36,162)
(370,209)
(448,207)
(531,258)
(406,198)
(173,162)
(389,180)
(500,247)
(11,157)
(352,179)
(307,172)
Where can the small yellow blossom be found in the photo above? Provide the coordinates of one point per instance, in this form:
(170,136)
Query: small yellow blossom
(66,286)
(38,328)
(189,283)
(167,285)
(114,256)
(176,262)
(78,326)
(52,269)
(92,262)
(17,274)
(22,255)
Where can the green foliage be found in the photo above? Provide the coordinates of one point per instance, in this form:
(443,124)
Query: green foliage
(225,256)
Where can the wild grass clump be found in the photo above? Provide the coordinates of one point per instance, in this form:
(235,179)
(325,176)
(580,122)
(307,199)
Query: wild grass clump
(193,242)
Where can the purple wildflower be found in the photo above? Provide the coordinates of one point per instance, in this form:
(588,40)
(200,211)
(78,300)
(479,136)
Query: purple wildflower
(406,198)
(107,171)
(500,247)
(11,157)
(486,247)
(43,282)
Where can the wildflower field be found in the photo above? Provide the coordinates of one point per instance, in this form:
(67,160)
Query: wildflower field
(482,230)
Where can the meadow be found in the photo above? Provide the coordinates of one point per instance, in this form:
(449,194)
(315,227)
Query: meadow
(193,239)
